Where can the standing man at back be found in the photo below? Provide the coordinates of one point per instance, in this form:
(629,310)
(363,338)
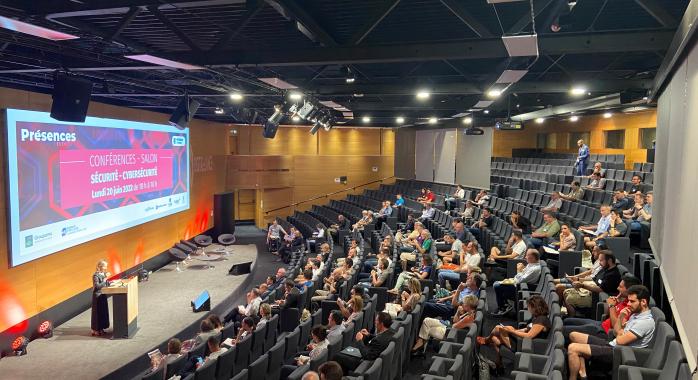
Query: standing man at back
(582,158)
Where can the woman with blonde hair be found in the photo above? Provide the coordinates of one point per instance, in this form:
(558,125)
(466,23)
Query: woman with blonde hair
(100,307)
(356,305)
(408,299)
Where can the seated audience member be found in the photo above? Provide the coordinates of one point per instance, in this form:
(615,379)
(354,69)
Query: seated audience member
(274,235)
(319,344)
(618,226)
(406,241)
(383,214)
(427,213)
(264,314)
(597,182)
(335,327)
(520,222)
(576,192)
(453,200)
(250,310)
(515,249)
(215,322)
(280,278)
(598,169)
(295,244)
(206,331)
(330,371)
(433,328)
(378,276)
(331,283)
(421,273)
(636,187)
(485,221)
(580,294)
(292,297)
(482,198)
(620,201)
(444,308)
(311,375)
(399,201)
(468,212)
(641,212)
(214,348)
(366,218)
(369,345)
(422,195)
(554,204)
(637,333)
(567,242)
(246,329)
(454,248)
(617,308)
(343,224)
(469,262)
(598,230)
(538,328)
(174,351)
(428,198)
(566,282)
(408,299)
(372,261)
(506,290)
(353,307)
(420,247)
(547,232)
(306,279)
(459,229)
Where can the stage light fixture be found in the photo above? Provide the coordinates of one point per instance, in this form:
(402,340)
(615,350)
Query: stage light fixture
(315,128)
(296,118)
(423,94)
(236,96)
(19,345)
(578,91)
(574,118)
(45,329)
(278,114)
(219,111)
(486,112)
(494,93)
(366,119)
(607,115)
(295,95)
(467,120)
(399,119)
(433,120)
(539,120)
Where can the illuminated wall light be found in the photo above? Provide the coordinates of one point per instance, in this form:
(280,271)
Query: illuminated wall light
(486,112)
(236,96)
(423,95)
(607,115)
(433,120)
(366,119)
(295,96)
(399,119)
(45,329)
(574,118)
(578,91)
(467,120)
(494,93)
(540,120)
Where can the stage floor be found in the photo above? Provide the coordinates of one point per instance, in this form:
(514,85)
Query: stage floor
(164,310)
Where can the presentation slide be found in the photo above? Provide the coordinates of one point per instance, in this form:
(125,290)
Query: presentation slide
(69,183)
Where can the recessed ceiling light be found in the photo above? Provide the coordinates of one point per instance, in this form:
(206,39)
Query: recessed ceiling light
(219,111)
(350,80)
(578,91)
(295,96)
(607,115)
(236,96)
(486,111)
(366,119)
(433,120)
(467,120)
(574,118)
(540,120)
(494,93)
(399,119)
(423,94)
(296,118)
(644,98)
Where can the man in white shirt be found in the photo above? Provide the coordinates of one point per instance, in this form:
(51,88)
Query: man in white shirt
(428,212)
(242,311)
(515,249)
(554,204)
(453,200)
(506,292)
(454,248)
(598,230)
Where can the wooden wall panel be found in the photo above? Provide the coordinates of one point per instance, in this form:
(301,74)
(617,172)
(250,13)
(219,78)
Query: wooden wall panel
(350,141)
(387,142)
(245,205)
(505,141)
(288,141)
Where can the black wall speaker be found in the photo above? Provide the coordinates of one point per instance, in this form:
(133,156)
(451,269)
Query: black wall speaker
(240,269)
(224,213)
(71,96)
(202,302)
(270,130)
(184,112)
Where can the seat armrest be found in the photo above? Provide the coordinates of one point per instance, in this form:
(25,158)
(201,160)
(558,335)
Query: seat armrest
(530,362)
(519,375)
(601,311)
(440,365)
(630,356)
(448,349)
(637,373)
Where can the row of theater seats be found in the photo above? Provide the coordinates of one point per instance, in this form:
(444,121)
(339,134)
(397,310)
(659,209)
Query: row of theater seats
(565,159)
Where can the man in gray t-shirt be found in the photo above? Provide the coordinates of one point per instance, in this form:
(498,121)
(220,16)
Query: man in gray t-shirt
(637,333)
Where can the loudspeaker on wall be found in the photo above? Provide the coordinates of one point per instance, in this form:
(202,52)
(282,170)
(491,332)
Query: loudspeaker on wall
(224,213)
(71,96)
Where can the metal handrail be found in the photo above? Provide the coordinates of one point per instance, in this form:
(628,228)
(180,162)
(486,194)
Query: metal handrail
(328,194)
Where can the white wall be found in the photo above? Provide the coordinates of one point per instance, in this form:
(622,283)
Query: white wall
(473,159)
(675,207)
(424,155)
(445,156)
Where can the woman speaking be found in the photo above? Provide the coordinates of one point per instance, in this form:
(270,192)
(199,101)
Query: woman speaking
(100,307)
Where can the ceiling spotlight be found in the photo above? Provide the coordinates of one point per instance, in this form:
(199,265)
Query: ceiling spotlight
(574,118)
(486,111)
(295,96)
(350,80)
(399,119)
(236,96)
(296,118)
(467,120)
(644,98)
(366,119)
(45,329)
(607,115)
(423,95)
(578,91)
(494,93)
(19,345)
(219,111)
(540,120)
(433,120)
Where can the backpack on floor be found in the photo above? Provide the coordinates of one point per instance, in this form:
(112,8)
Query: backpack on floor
(484,367)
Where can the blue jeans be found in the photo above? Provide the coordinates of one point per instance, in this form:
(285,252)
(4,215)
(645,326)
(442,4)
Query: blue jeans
(504,293)
(635,226)
(369,264)
(582,168)
(475,232)
(433,309)
(448,275)
(537,242)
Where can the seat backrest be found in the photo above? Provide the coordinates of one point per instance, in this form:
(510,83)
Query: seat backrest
(258,368)
(258,338)
(374,371)
(176,366)
(292,343)
(207,371)
(315,362)
(244,350)
(226,361)
(153,375)
(272,325)
(387,356)
(675,357)
(663,336)
(276,360)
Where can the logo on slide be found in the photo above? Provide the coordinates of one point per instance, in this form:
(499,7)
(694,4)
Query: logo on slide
(178,141)
(28,241)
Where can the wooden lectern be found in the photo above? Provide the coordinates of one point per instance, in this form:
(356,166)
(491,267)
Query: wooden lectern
(125,306)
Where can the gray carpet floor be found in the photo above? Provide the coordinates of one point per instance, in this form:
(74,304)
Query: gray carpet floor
(164,308)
